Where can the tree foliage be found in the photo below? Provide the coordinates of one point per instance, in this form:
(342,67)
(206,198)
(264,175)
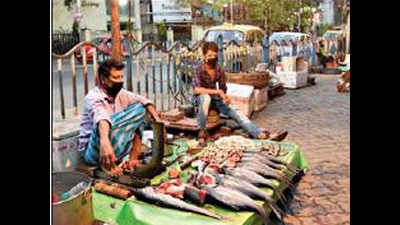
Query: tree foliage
(272,14)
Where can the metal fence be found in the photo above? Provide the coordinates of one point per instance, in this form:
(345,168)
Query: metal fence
(63,41)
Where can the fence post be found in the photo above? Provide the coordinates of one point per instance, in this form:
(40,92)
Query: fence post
(60,81)
(220,43)
(74,93)
(265,48)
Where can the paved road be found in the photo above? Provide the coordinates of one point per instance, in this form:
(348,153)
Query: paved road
(318,120)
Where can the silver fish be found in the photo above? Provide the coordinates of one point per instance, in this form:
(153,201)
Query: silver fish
(234,199)
(253,178)
(264,171)
(249,190)
(272,158)
(148,194)
(255,157)
(267,158)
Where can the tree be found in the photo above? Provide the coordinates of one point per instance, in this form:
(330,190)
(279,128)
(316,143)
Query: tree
(271,14)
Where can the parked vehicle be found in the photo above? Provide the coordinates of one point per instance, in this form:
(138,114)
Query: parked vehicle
(239,33)
(287,36)
(334,35)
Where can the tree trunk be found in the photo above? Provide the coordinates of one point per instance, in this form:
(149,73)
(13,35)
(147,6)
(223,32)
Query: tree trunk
(115,30)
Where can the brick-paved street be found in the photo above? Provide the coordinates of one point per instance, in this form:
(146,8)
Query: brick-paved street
(318,120)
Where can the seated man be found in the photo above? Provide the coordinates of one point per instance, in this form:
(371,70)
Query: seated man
(111,121)
(206,76)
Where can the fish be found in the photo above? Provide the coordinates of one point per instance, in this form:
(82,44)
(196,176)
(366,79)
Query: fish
(194,194)
(175,188)
(272,158)
(254,178)
(250,176)
(205,179)
(249,190)
(255,157)
(264,171)
(256,161)
(275,160)
(234,199)
(148,194)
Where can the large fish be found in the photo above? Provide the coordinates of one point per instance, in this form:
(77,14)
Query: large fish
(250,176)
(266,173)
(234,199)
(149,195)
(194,194)
(264,170)
(253,178)
(257,162)
(271,158)
(249,157)
(249,190)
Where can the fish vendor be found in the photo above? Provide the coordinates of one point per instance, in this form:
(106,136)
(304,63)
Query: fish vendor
(207,74)
(112,121)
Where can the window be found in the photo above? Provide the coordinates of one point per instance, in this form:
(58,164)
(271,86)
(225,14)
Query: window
(227,35)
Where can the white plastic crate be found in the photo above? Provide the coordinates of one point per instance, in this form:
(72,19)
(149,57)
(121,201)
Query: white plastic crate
(242,98)
(293,79)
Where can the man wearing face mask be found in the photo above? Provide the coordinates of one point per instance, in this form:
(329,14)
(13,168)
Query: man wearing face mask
(111,121)
(206,76)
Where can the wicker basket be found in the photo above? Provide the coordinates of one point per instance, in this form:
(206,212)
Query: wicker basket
(256,79)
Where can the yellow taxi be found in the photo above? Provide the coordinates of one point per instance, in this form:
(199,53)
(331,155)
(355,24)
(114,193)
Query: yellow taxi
(238,32)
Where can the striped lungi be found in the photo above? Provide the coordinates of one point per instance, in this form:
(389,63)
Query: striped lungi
(124,124)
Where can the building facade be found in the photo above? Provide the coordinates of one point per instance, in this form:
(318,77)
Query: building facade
(93,15)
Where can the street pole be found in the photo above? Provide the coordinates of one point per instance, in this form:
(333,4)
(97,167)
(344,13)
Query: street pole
(138,21)
(115,30)
(232,12)
(78,17)
(129,16)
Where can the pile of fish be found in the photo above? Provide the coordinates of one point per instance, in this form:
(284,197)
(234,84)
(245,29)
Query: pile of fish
(228,173)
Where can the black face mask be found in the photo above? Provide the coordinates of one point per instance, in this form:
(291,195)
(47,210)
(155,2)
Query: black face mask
(114,89)
(212,62)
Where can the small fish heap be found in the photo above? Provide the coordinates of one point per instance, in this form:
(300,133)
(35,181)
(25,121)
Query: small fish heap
(230,173)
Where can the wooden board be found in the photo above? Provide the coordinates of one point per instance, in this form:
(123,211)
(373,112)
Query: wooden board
(189,124)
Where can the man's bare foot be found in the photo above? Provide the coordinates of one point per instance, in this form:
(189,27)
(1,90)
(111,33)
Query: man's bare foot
(278,135)
(263,130)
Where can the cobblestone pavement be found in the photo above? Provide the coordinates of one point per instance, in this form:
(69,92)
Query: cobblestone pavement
(318,120)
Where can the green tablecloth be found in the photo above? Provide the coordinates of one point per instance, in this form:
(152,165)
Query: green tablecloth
(132,211)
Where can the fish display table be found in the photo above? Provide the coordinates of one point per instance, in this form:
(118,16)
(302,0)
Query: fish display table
(132,211)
